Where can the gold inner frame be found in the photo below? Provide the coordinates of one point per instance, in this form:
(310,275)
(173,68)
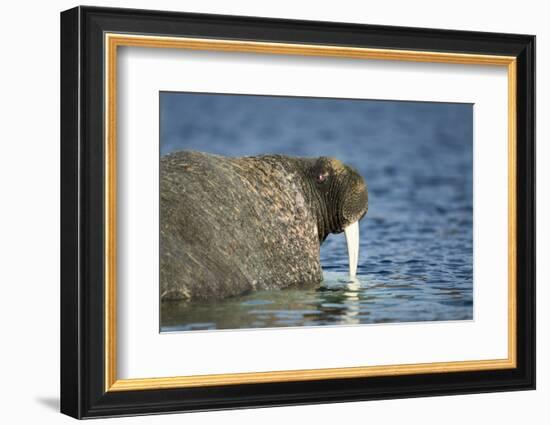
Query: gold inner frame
(113,41)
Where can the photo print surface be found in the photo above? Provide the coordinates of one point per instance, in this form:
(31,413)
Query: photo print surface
(292,211)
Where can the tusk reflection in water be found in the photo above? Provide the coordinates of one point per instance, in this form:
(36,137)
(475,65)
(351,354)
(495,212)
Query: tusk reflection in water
(351,315)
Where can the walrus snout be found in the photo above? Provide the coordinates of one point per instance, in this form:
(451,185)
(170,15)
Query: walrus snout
(356,199)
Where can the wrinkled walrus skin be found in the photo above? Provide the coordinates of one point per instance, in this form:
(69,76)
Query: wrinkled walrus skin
(232,225)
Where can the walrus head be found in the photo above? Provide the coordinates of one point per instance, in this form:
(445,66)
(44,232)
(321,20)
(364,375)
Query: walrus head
(339,198)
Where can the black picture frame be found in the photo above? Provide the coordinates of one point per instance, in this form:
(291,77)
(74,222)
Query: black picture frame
(83,392)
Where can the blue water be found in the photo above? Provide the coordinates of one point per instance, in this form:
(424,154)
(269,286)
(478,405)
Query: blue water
(416,240)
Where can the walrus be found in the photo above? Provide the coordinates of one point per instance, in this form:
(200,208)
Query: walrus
(231,225)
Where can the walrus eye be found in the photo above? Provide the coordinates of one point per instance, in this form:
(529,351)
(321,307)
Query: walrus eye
(321,177)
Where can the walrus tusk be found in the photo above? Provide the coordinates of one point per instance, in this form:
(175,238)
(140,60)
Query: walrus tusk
(352,238)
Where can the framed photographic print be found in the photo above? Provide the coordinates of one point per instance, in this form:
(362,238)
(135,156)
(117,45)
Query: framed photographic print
(261,212)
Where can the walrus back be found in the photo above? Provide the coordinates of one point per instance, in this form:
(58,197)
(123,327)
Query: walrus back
(232,225)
